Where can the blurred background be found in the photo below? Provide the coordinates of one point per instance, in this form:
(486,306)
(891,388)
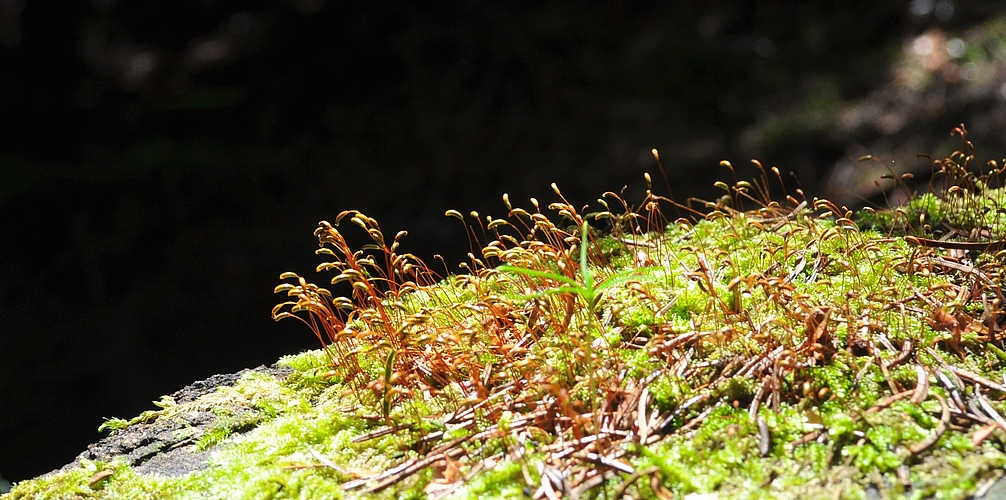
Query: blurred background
(162,162)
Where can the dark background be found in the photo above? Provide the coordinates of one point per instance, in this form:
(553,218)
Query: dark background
(162,162)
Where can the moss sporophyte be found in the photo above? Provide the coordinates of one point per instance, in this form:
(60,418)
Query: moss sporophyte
(792,350)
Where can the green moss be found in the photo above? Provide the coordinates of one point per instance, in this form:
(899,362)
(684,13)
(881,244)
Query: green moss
(769,344)
(121,483)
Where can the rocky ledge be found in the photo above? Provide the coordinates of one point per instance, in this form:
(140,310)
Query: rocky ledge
(167,446)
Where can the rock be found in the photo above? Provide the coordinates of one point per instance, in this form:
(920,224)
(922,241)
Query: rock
(167,446)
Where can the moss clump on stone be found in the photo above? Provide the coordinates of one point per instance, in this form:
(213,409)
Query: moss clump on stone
(778,351)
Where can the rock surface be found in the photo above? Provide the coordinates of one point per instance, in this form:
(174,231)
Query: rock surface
(167,446)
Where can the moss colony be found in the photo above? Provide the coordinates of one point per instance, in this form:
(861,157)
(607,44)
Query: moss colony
(761,350)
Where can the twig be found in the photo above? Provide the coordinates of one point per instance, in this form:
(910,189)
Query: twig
(989,410)
(990,246)
(634,243)
(806,438)
(701,417)
(906,352)
(921,390)
(929,441)
(593,481)
(381,432)
(765,439)
(756,400)
(790,216)
(977,379)
(889,400)
(596,459)
(326,462)
(951,387)
(620,491)
(665,425)
(940,261)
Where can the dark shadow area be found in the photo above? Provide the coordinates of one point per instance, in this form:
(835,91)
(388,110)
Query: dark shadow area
(163,162)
